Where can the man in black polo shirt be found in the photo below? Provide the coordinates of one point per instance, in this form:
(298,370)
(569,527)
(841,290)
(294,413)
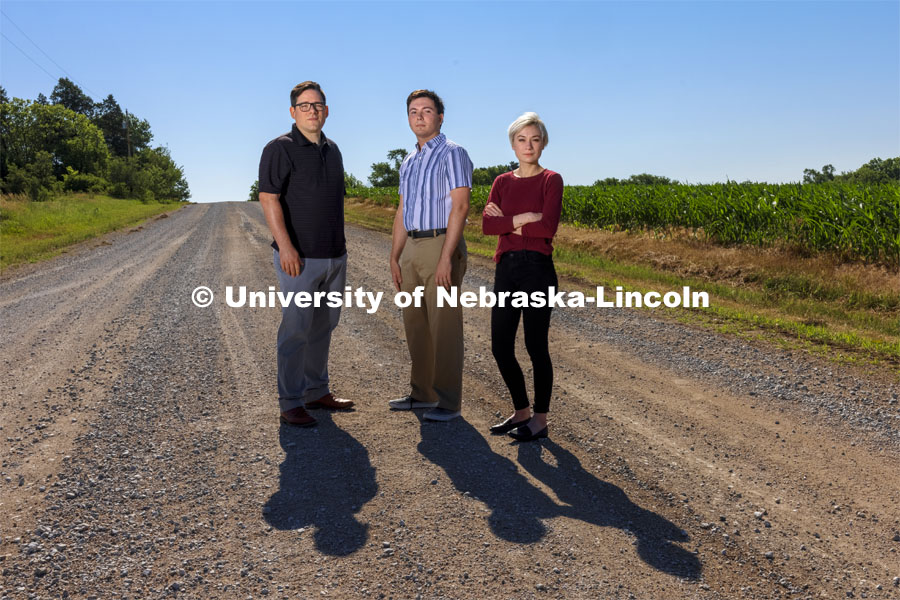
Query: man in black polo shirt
(301,190)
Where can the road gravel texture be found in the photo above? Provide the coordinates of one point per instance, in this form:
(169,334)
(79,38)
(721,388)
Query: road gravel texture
(143,457)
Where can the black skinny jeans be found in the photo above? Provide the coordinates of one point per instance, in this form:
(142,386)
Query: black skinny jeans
(523,271)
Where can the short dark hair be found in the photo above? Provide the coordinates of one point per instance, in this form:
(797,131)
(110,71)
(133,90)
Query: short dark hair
(302,87)
(438,103)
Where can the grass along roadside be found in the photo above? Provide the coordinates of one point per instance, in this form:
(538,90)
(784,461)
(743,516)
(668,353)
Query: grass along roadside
(33,231)
(845,312)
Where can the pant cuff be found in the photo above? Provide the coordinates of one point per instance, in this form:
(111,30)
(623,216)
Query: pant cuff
(286,404)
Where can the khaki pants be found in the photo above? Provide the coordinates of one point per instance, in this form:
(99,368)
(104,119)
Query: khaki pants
(434,335)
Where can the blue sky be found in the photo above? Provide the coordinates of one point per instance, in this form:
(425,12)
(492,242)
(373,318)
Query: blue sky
(695,91)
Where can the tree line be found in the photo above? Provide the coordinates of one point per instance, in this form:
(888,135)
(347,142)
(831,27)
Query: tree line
(876,171)
(873,172)
(69,143)
(386,174)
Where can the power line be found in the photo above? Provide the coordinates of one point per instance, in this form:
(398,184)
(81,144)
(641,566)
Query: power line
(28,57)
(34,44)
(42,52)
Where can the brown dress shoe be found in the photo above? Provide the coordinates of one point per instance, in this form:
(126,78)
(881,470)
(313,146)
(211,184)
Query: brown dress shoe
(330,402)
(298,416)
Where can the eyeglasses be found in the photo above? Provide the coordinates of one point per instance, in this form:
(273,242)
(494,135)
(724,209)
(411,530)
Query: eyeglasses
(305,106)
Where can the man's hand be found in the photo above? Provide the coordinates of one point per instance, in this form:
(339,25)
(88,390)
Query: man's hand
(492,210)
(517,231)
(459,198)
(443,272)
(395,274)
(290,260)
(398,242)
(287,254)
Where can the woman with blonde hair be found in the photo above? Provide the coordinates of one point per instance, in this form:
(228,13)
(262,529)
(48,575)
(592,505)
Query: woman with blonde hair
(523,210)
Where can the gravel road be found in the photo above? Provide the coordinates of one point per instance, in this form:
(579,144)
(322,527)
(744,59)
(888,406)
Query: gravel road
(143,457)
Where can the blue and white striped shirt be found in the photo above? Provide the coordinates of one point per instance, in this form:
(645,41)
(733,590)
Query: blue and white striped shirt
(426,177)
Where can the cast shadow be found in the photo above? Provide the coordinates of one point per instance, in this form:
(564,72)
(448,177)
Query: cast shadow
(517,507)
(326,477)
(598,502)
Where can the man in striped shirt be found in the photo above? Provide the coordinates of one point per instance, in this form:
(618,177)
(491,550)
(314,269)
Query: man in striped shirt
(428,250)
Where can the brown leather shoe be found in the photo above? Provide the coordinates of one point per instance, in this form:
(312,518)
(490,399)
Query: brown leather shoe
(298,416)
(330,402)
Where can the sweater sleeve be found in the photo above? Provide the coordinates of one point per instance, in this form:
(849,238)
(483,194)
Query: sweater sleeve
(496,225)
(551,210)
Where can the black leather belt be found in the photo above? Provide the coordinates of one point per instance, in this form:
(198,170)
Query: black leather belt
(426,233)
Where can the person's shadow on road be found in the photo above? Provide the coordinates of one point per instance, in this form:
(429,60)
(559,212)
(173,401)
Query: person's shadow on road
(600,503)
(326,477)
(518,507)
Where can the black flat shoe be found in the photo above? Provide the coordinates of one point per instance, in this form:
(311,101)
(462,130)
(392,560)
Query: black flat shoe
(507,426)
(523,434)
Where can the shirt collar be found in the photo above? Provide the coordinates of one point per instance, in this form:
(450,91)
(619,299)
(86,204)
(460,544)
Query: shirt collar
(434,142)
(301,139)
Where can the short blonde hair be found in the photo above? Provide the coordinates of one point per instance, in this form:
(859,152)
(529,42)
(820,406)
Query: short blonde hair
(529,118)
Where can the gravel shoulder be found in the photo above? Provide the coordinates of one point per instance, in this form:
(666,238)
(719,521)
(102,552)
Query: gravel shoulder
(144,459)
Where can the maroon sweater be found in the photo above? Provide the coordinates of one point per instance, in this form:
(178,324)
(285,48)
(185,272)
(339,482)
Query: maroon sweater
(516,195)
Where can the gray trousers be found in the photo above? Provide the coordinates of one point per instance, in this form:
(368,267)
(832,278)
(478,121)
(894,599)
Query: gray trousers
(305,333)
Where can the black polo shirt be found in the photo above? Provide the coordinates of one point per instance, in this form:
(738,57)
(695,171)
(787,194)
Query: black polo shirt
(309,179)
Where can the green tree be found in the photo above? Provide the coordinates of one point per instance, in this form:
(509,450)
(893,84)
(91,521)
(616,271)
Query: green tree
(68,94)
(4,132)
(254,192)
(149,175)
(124,177)
(639,179)
(166,179)
(48,148)
(18,135)
(875,171)
(73,181)
(27,128)
(35,179)
(137,132)
(125,133)
(387,174)
(487,175)
(648,179)
(108,116)
(83,148)
(813,176)
(351,182)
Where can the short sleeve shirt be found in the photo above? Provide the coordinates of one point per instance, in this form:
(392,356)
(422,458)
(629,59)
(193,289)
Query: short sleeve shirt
(426,177)
(309,179)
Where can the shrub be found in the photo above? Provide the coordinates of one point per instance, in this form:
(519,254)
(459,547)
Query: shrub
(73,181)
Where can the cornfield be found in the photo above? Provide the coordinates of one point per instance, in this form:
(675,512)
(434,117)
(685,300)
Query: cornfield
(857,222)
